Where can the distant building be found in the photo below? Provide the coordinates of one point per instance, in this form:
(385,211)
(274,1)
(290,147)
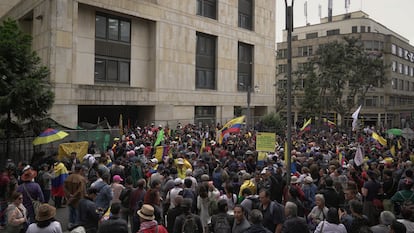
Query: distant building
(389,106)
(156,61)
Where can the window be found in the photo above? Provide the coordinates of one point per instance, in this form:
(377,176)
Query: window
(400,84)
(245,66)
(394,49)
(207,8)
(295,38)
(282,84)
(354,29)
(303,66)
(394,83)
(206,61)
(281,68)
(332,32)
(305,51)
(282,53)
(112,49)
(312,35)
(400,68)
(112,28)
(411,71)
(394,66)
(368,45)
(371,101)
(368,29)
(412,86)
(362,28)
(205,115)
(400,51)
(107,70)
(246,14)
(407,86)
(406,69)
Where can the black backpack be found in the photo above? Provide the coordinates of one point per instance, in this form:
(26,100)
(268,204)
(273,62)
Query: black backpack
(189,225)
(255,202)
(221,224)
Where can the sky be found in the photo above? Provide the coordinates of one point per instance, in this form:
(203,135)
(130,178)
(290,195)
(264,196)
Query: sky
(394,14)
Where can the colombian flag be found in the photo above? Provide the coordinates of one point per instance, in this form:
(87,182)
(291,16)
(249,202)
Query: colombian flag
(329,123)
(233,126)
(379,139)
(61,173)
(306,125)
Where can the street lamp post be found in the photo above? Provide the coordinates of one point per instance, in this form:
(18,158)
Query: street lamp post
(289,28)
(249,96)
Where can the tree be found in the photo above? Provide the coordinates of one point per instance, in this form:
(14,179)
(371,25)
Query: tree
(272,122)
(25,94)
(343,73)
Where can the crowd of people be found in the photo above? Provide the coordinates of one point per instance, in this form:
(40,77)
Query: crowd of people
(199,185)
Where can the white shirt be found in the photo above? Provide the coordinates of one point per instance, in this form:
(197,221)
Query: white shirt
(54,227)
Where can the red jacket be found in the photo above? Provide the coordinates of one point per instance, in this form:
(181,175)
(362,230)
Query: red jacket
(161,229)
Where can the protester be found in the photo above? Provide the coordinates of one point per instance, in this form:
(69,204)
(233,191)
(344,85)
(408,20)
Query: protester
(45,221)
(89,214)
(256,219)
(187,222)
(293,223)
(75,190)
(115,223)
(148,222)
(16,214)
(331,223)
(30,190)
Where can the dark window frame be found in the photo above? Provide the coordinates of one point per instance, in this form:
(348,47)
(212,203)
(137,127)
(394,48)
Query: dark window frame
(206,52)
(119,33)
(112,50)
(246,14)
(333,32)
(207,8)
(245,61)
(312,35)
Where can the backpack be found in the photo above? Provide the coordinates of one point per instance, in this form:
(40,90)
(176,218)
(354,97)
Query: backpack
(189,225)
(212,206)
(407,203)
(125,196)
(221,224)
(255,202)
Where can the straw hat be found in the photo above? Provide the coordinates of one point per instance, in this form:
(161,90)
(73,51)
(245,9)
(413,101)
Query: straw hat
(45,212)
(146,212)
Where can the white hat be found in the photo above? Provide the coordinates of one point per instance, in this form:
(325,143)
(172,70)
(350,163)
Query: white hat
(264,171)
(293,179)
(154,160)
(308,180)
(178,181)
(180,161)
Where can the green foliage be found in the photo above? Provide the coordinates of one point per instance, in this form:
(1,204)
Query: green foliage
(25,94)
(273,122)
(340,76)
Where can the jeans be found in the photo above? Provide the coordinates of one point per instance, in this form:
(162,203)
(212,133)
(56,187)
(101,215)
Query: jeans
(73,214)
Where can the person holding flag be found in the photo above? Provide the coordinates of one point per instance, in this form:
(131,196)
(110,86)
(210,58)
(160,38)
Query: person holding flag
(233,126)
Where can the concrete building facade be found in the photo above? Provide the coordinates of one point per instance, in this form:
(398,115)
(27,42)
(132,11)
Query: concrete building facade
(153,60)
(389,106)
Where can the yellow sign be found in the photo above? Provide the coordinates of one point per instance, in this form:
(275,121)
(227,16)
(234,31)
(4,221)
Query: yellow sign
(265,142)
(81,149)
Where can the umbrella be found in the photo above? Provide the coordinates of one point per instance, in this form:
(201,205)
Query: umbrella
(408,133)
(395,132)
(49,135)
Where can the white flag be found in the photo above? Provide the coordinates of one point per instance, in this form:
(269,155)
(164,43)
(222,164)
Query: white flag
(359,157)
(355,117)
